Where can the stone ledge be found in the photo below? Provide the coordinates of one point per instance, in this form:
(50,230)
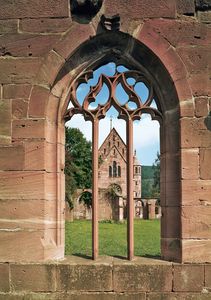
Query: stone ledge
(115,277)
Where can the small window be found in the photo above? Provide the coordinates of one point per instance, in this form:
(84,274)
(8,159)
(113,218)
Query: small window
(114,169)
(136,170)
(118,144)
(123,151)
(119,171)
(109,144)
(136,182)
(114,151)
(110,171)
(104,151)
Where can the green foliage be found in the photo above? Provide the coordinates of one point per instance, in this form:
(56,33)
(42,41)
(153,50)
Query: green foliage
(156,178)
(86,198)
(113,238)
(78,163)
(151,180)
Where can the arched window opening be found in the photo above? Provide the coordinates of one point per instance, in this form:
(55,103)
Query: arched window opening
(131,94)
(114,169)
(119,171)
(110,171)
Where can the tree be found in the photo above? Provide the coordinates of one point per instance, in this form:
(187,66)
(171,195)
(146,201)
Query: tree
(156,178)
(78,164)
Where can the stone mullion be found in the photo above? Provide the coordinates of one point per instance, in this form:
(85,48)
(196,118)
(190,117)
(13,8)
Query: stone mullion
(130,201)
(95,137)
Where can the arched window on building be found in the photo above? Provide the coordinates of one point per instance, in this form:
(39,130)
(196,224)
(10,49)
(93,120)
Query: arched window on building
(104,150)
(136,170)
(110,171)
(119,171)
(123,151)
(114,169)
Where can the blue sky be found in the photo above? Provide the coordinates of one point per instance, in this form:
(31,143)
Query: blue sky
(146,131)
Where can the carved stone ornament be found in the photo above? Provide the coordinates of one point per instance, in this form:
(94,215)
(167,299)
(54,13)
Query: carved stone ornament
(125,111)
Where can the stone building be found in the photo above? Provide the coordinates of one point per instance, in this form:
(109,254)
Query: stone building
(112,169)
(44,49)
(112,175)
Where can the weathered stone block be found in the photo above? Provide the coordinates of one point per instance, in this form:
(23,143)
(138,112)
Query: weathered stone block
(190,32)
(208,276)
(33,278)
(27,9)
(5,120)
(38,102)
(195,58)
(171,249)
(196,192)
(12,158)
(188,278)
(200,83)
(205,163)
(27,213)
(187,108)
(140,9)
(77,34)
(92,277)
(190,163)
(179,296)
(4,278)
(185,7)
(19,108)
(22,185)
(171,227)
(196,251)
(8,26)
(19,70)
(40,155)
(31,128)
(16,91)
(201,106)
(26,245)
(53,62)
(194,133)
(142,277)
(196,222)
(45,25)
(27,44)
(204,16)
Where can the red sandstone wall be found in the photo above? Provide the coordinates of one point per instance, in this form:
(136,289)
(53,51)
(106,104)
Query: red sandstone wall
(37,37)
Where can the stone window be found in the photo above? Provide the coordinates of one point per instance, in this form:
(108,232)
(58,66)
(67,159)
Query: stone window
(129,109)
(119,171)
(114,169)
(110,171)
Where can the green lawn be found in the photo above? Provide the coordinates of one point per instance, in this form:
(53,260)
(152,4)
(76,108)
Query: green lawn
(112,238)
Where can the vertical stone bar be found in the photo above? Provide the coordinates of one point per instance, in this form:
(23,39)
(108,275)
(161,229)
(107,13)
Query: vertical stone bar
(130,204)
(95,134)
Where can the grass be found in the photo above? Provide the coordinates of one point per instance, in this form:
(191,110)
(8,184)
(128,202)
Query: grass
(112,238)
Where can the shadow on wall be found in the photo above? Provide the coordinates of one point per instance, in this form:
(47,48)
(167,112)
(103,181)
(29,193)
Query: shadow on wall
(208,121)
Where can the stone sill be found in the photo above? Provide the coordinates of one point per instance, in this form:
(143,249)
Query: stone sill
(105,275)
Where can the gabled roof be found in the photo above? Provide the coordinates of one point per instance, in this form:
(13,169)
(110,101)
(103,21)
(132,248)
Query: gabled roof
(113,130)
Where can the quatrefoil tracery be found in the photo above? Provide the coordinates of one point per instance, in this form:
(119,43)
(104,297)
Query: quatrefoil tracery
(125,110)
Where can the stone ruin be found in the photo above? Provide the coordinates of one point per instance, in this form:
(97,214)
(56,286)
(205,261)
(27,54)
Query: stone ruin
(43,50)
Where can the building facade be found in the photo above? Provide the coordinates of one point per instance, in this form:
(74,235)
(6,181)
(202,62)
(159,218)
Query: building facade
(112,165)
